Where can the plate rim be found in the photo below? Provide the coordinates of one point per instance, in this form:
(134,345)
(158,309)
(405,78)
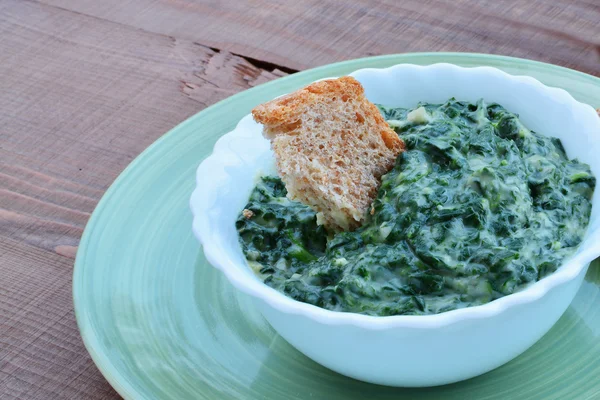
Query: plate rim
(91,342)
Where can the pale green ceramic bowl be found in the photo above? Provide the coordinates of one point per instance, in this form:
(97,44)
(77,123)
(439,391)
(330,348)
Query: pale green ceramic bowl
(161,323)
(406,350)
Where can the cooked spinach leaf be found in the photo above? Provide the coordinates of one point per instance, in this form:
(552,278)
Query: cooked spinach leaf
(477,207)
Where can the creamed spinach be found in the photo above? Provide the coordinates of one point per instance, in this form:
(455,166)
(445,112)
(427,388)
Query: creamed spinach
(477,207)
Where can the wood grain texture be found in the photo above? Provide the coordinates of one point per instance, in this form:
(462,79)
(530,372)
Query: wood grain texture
(79,99)
(41,353)
(303,34)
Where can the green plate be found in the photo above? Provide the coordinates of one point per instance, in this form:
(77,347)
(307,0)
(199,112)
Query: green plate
(161,323)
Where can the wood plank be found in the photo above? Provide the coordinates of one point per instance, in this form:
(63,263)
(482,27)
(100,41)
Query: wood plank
(303,34)
(79,99)
(41,353)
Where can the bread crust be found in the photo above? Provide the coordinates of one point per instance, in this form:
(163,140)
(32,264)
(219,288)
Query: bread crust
(331,147)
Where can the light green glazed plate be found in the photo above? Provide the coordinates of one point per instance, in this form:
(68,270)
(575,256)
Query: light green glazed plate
(161,323)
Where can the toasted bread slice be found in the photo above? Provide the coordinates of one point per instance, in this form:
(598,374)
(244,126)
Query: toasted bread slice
(331,147)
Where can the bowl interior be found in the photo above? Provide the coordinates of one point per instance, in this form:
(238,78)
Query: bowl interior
(244,154)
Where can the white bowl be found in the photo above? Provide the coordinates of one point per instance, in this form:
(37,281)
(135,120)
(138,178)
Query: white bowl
(406,350)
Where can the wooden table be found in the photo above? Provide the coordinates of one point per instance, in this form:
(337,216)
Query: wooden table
(86,85)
